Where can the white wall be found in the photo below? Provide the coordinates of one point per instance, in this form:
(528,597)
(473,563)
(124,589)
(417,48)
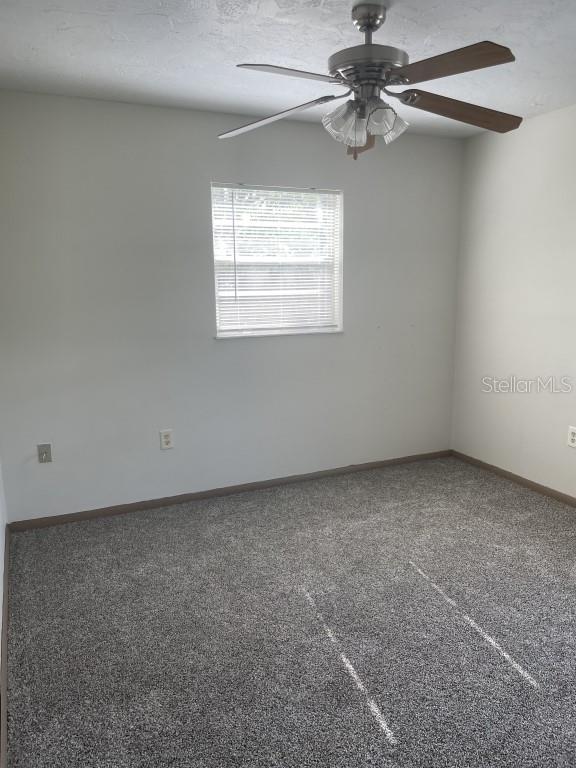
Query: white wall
(107,308)
(3,521)
(516,308)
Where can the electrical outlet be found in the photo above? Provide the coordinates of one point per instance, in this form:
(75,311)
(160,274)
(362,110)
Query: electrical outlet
(572,437)
(44,453)
(166,439)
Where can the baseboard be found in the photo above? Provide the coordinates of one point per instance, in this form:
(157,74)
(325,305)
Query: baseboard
(565,498)
(139,506)
(168,501)
(4,658)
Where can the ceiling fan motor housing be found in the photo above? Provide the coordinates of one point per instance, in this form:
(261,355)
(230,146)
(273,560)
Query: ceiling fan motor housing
(367,64)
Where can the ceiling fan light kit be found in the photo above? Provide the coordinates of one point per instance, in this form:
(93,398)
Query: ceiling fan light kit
(369,69)
(352,122)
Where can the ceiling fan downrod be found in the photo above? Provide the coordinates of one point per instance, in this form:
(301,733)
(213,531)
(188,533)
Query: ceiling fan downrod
(368,17)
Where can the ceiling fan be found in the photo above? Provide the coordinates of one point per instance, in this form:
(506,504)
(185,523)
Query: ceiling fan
(369,69)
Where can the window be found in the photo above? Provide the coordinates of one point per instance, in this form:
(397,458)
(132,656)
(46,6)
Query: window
(277,260)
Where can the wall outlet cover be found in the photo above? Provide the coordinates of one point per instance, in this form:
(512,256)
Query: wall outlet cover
(166,439)
(572,437)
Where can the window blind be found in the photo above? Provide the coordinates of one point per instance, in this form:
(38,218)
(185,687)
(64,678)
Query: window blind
(277,260)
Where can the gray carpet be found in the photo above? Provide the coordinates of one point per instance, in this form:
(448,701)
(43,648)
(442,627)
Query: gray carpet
(287,627)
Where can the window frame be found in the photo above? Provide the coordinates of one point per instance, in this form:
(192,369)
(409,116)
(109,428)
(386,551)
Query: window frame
(339,260)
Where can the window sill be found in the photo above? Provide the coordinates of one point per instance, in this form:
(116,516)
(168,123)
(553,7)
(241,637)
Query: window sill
(295,332)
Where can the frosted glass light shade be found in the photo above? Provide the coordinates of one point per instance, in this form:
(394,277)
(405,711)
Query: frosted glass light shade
(339,121)
(345,125)
(383,120)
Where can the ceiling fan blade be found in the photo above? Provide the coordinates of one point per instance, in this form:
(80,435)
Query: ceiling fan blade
(274,70)
(460,110)
(477,56)
(355,151)
(280,115)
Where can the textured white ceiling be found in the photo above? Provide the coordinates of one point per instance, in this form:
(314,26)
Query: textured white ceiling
(183,52)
